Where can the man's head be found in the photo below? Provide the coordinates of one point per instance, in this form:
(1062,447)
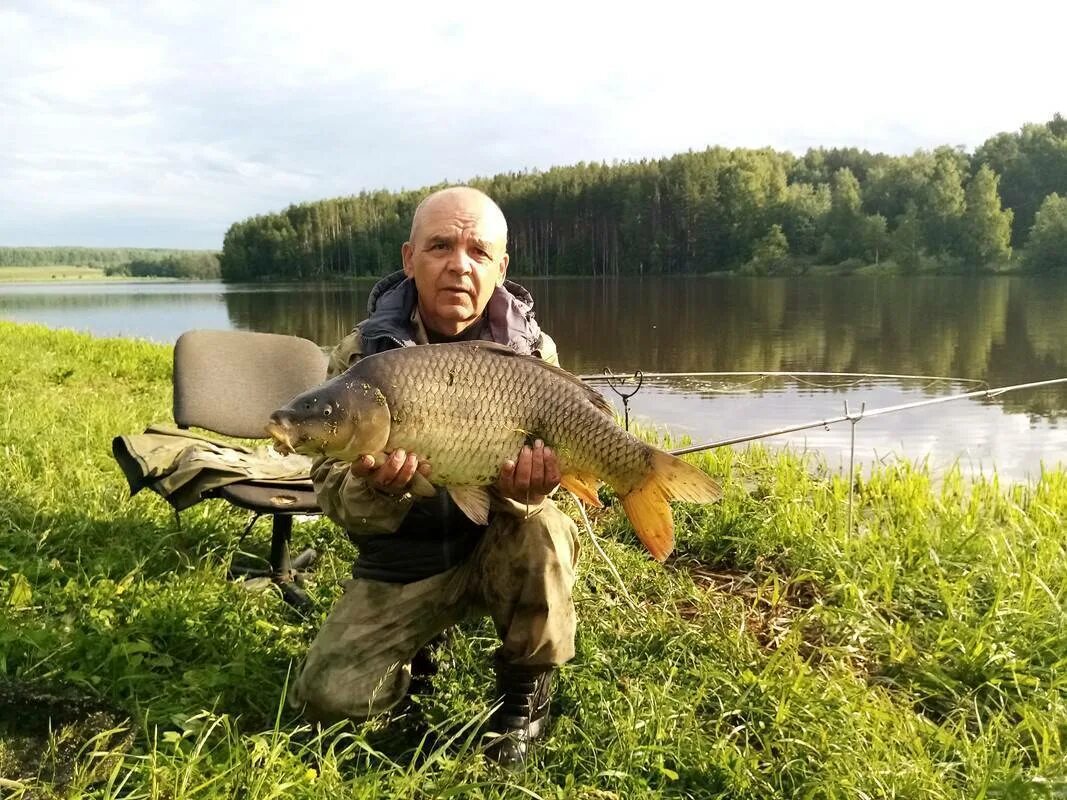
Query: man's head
(457,254)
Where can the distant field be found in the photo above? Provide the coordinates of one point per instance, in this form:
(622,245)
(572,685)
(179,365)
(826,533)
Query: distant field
(50,273)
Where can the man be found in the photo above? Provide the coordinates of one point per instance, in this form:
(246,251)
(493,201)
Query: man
(422,565)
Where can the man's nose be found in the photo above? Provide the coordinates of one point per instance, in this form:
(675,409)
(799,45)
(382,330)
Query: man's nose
(460,262)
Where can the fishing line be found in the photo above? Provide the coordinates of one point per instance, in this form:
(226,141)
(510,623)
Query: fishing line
(603,555)
(779,374)
(615,382)
(877,412)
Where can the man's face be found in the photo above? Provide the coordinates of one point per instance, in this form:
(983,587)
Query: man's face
(457,256)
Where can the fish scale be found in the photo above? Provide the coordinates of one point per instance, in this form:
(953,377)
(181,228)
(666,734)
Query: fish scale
(469,410)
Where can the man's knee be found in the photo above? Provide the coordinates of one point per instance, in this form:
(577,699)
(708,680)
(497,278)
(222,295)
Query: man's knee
(526,576)
(328,696)
(548,539)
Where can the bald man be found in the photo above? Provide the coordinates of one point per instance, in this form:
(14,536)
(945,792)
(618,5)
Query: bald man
(423,565)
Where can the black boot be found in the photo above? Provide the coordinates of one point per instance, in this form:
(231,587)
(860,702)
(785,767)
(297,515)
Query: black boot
(525,694)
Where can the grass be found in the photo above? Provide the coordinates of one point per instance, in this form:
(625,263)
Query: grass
(924,654)
(64,272)
(61,272)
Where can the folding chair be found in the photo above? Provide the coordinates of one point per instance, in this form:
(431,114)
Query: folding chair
(229,382)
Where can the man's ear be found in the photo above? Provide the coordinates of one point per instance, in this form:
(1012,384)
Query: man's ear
(407,250)
(503,270)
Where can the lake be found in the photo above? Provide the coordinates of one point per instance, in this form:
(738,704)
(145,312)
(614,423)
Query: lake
(1001,330)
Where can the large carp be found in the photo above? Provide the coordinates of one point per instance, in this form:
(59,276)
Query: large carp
(467,407)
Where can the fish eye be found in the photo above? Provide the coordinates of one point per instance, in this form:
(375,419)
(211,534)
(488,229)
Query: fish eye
(327,410)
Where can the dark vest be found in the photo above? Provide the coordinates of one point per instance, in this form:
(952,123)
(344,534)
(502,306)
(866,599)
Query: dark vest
(435,535)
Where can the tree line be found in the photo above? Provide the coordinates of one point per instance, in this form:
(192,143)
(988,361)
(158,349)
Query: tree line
(99,257)
(720,209)
(185,266)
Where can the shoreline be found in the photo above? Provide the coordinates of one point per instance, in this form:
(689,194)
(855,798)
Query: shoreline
(816,272)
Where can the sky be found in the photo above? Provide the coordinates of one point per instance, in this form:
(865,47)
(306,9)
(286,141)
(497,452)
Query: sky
(158,124)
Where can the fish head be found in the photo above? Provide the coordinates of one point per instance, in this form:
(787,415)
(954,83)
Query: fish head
(340,419)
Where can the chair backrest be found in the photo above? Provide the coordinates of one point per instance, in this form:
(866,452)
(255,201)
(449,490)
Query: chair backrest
(230,382)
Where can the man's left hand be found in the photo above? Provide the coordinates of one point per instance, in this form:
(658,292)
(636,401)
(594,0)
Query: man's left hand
(530,478)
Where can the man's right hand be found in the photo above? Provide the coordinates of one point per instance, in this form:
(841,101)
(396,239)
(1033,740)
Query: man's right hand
(394,475)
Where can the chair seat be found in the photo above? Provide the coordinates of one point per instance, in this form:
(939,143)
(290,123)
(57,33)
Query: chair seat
(271,497)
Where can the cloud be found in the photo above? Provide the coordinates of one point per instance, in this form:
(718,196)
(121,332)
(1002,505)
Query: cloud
(167,121)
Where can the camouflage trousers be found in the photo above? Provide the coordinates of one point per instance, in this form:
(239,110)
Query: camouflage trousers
(521,573)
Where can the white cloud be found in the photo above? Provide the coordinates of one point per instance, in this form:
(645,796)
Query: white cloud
(209,113)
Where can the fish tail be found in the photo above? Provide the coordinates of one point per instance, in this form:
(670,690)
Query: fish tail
(647,506)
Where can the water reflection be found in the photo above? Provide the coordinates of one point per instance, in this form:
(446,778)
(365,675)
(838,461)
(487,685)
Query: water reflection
(980,436)
(157,311)
(1002,330)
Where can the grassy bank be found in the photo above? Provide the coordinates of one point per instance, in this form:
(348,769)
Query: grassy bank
(68,274)
(59,272)
(924,655)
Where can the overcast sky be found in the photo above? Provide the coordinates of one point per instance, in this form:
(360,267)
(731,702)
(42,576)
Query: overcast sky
(157,124)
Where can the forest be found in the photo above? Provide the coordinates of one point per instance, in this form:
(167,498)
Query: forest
(752,211)
(83,256)
(202,265)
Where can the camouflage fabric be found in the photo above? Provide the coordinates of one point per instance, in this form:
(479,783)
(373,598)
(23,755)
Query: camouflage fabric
(182,466)
(521,574)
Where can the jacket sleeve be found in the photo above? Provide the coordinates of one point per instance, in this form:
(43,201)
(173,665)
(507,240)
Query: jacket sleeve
(547,348)
(346,498)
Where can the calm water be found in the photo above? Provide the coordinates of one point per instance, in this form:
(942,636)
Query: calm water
(1001,330)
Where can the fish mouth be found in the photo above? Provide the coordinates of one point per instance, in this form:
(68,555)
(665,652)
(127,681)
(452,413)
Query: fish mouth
(282,436)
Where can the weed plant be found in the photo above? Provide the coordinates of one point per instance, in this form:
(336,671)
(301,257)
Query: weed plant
(776,654)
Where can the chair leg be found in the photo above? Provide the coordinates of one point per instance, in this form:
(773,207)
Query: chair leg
(285,572)
(283,565)
(281,535)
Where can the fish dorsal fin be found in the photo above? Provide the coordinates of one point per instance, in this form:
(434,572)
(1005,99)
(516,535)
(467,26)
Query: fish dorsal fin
(472,501)
(599,402)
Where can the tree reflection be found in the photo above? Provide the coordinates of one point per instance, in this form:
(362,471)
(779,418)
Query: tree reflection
(1002,330)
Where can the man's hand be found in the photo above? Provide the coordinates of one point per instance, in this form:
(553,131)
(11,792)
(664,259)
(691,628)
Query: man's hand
(532,477)
(394,475)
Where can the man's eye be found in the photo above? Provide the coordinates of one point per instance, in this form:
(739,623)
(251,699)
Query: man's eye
(438,246)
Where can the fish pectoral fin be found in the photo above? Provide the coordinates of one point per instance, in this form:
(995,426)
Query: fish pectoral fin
(420,486)
(472,501)
(582,486)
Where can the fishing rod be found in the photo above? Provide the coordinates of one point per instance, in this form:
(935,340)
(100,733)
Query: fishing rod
(865,414)
(849,416)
